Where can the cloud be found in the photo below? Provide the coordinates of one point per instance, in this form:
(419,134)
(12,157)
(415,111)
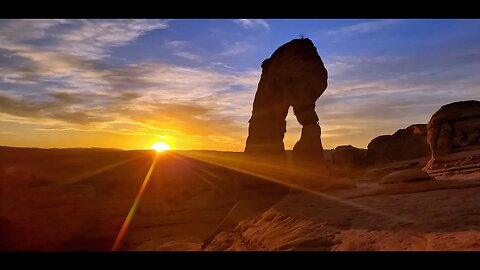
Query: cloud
(90,39)
(174,44)
(34,109)
(363,27)
(183,49)
(67,97)
(380,94)
(73,92)
(30,61)
(188,118)
(14,31)
(189,56)
(236,48)
(220,64)
(253,23)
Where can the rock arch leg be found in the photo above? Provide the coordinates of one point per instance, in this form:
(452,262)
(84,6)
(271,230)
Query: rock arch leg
(309,147)
(267,129)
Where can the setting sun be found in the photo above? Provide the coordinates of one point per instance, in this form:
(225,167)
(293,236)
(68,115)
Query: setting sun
(160,147)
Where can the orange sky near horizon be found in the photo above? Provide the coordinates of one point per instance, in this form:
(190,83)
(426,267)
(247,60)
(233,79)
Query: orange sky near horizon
(30,135)
(34,137)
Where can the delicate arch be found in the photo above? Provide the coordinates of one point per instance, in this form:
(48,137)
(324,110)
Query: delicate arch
(293,76)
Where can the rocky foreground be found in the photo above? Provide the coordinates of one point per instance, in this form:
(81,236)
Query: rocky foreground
(416,215)
(78,200)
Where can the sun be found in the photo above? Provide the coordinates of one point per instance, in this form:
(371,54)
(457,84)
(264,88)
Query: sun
(160,147)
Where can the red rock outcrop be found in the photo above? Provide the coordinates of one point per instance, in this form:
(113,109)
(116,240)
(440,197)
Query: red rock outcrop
(347,156)
(454,138)
(409,143)
(293,76)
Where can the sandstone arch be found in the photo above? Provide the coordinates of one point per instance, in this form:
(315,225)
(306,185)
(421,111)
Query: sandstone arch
(293,76)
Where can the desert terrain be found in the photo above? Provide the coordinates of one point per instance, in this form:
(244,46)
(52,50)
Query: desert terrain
(77,199)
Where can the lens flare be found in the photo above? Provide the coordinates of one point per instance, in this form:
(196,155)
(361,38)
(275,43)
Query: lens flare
(131,213)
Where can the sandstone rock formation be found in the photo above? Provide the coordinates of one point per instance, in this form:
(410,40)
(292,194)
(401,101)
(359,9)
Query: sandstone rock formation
(404,144)
(454,138)
(293,76)
(407,175)
(347,156)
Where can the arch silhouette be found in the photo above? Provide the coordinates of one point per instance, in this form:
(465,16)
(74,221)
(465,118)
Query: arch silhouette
(293,76)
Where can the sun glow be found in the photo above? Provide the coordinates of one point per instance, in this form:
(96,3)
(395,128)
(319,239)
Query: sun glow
(160,147)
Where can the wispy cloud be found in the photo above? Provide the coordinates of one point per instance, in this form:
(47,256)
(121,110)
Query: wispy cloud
(236,48)
(35,109)
(140,83)
(183,49)
(371,96)
(253,23)
(364,27)
(220,64)
(14,31)
(174,44)
(87,38)
(93,38)
(189,56)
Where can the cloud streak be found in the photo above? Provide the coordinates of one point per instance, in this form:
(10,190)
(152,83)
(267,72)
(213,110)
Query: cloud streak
(236,48)
(253,23)
(90,39)
(364,27)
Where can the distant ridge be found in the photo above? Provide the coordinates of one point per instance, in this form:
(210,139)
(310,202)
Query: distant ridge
(72,148)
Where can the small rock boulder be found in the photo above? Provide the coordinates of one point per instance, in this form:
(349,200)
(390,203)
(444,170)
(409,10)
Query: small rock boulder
(408,175)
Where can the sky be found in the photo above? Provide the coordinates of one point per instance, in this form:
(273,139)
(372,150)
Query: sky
(191,83)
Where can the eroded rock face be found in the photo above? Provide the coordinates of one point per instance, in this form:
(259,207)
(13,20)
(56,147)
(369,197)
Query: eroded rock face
(454,137)
(347,156)
(293,76)
(409,143)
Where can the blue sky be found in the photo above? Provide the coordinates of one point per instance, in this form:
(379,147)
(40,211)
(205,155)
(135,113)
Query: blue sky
(127,83)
